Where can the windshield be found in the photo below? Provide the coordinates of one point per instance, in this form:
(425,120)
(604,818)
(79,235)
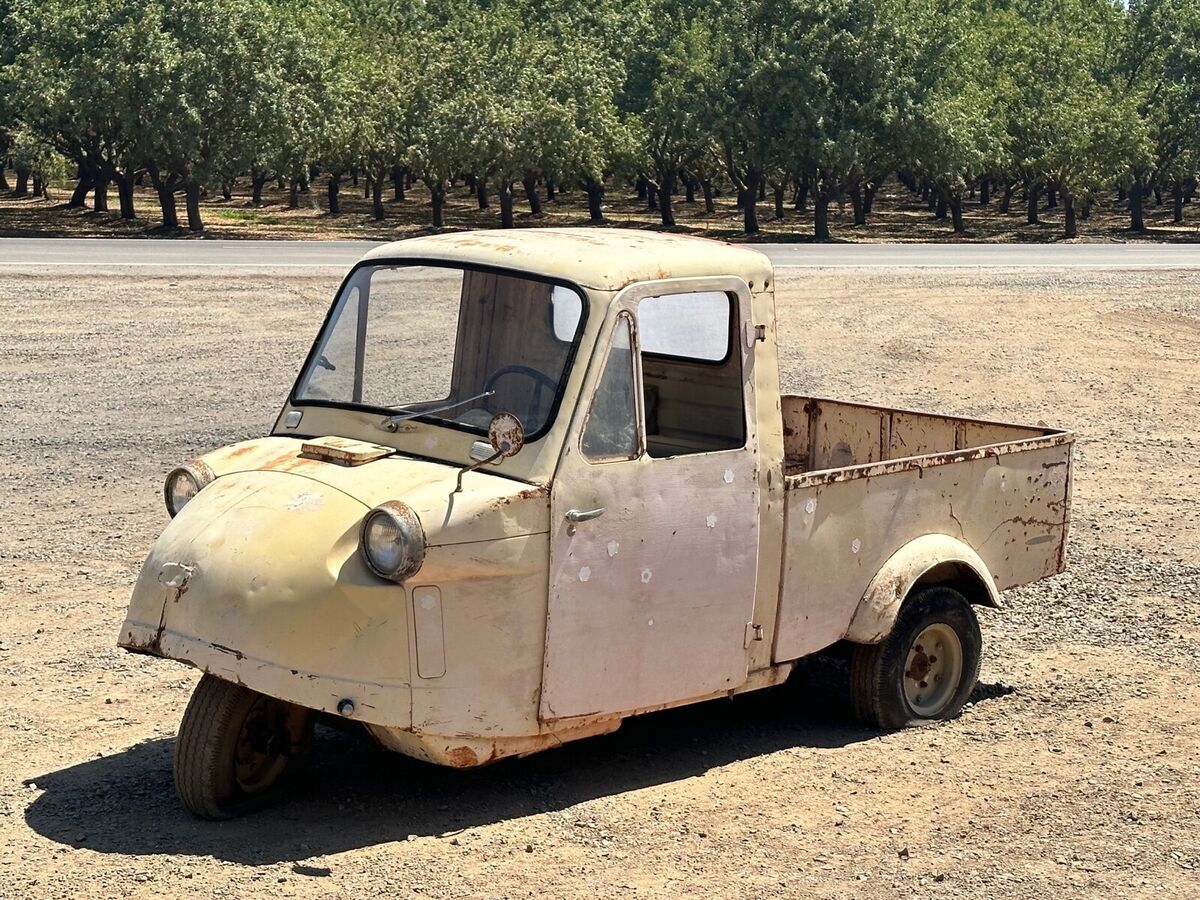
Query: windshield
(452,346)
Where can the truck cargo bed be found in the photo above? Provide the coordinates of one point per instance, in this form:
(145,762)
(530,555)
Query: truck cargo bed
(862,481)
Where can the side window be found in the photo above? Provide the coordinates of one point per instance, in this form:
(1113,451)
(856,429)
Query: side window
(687,326)
(611,428)
(694,396)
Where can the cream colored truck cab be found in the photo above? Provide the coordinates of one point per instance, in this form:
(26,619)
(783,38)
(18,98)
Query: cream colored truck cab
(529,483)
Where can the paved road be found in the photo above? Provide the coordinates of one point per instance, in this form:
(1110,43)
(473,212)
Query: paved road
(112,254)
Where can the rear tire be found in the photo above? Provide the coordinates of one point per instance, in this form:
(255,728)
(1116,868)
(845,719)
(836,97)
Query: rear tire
(237,749)
(926,667)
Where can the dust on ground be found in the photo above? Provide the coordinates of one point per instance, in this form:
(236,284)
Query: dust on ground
(1074,772)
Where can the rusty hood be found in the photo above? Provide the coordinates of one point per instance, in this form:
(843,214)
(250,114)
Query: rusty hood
(489,506)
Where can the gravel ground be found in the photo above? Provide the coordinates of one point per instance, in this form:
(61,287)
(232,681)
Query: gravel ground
(1073,772)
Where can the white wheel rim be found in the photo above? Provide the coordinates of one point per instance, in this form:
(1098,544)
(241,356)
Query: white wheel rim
(933,670)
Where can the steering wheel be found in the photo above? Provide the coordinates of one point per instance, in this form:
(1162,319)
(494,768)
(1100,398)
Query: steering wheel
(541,380)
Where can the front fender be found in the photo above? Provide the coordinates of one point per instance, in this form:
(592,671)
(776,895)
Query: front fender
(929,558)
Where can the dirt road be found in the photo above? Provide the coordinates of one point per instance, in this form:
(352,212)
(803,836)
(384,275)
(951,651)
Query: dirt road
(1074,774)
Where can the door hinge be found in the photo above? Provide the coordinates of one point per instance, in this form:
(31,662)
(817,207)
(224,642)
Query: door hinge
(754,334)
(754,632)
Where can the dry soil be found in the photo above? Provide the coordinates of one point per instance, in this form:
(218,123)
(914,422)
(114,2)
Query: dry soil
(1073,774)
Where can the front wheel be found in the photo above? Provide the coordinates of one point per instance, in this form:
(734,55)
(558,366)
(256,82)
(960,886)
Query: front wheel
(925,669)
(237,748)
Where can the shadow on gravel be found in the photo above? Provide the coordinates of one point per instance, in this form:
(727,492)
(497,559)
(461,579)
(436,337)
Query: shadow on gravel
(355,795)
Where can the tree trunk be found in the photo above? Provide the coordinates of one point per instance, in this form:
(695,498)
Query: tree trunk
(1136,197)
(706,185)
(1177,202)
(595,195)
(481,195)
(39,186)
(1006,198)
(100,195)
(666,201)
(125,194)
(293,193)
(82,189)
(367,179)
(1051,197)
(529,182)
(1069,227)
(641,188)
(192,195)
(1085,210)
(868,200)
(377,196)
(258,181)
(940,208)
(780,190)
(437,199)
(1031,204)
(956,214)
(754,182)
(1157,196)
(985,192)
(506,203)
(550,193)
(226,190)
(801,202)
(821,216)
(4,185)
(165,188)
(689,189)
(651,195)
(22,189)
(762,189)
(398,174)
(856,202)
(335,183)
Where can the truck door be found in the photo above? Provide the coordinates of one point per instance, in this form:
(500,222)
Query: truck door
(655,507)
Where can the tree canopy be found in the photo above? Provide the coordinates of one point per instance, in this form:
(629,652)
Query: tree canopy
(1074,99)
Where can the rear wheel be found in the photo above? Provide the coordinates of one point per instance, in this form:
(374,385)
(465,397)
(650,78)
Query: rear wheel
(237,748)
(925,669)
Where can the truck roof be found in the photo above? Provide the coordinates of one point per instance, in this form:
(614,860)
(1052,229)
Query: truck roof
(599,258)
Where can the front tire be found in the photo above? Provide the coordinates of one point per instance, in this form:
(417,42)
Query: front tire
(237,749)
(925,669)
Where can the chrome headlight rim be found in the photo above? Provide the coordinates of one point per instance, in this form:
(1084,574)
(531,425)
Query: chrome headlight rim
(197,472)
(411,541)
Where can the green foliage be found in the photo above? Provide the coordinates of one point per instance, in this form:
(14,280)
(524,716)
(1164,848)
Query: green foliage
(832,95)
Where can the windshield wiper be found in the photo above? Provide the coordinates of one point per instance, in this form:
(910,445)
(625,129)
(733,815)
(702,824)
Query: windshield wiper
(390,423)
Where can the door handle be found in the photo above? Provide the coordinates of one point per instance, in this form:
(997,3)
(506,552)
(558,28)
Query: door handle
(575,516)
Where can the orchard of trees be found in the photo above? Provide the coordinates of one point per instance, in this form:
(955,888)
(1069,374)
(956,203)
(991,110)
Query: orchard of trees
(781,101)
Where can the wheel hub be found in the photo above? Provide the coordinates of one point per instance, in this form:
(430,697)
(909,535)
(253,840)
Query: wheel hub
(933,670)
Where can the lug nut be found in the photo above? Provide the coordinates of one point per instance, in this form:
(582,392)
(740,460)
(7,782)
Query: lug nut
(345,707)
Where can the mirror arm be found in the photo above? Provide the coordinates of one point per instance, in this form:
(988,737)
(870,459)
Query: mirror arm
(475,465)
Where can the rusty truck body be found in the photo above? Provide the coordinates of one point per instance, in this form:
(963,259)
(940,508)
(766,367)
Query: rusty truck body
(530,483)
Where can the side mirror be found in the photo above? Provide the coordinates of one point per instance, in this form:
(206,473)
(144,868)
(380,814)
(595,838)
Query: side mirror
(507,437)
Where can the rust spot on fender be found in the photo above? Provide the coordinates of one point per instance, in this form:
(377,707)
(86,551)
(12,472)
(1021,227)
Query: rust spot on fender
(462,757)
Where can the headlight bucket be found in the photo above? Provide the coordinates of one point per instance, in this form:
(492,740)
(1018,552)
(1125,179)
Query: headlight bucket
(392,541)
(183,483)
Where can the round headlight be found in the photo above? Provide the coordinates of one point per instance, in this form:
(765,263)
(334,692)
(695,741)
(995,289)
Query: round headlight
(393,541)
(184,483)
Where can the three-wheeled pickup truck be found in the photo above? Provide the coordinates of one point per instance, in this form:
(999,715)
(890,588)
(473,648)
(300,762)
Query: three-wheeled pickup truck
(530,483)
